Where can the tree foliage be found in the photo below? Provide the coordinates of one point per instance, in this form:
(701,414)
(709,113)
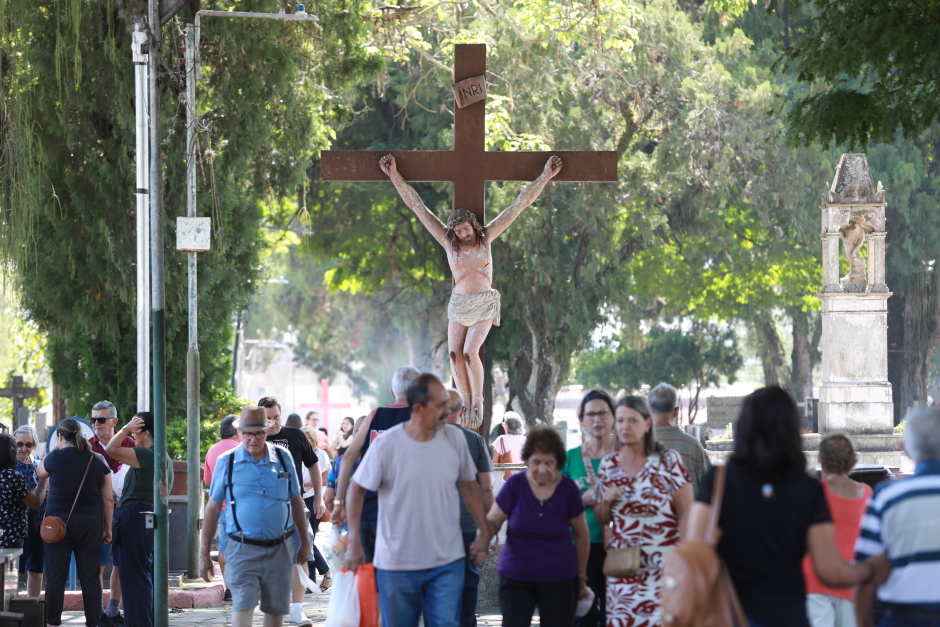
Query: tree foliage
(875,62)
(696,358)
(559,73)
(265,108)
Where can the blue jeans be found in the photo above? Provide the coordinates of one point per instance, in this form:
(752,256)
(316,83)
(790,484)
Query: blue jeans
(467,616)
(403,594)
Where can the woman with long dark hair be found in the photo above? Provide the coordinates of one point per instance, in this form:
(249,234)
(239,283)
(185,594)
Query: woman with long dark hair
(345,435)
(772,513)
(74,469)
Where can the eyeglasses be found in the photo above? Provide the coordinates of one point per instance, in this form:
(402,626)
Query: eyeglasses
(596,415)
(257,435)
(25,444)
(100,421)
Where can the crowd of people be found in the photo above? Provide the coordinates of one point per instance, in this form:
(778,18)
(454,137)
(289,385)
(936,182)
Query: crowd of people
(96,489)
(587,530)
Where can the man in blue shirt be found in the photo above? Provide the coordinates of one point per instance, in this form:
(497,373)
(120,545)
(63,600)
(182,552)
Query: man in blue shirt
(263,506)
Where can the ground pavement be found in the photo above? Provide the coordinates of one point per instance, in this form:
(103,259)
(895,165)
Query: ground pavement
(314,605)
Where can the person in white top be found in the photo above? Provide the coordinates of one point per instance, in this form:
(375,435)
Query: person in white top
(419,550)
(317,563)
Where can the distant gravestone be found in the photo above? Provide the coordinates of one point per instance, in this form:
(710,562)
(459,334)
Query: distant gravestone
(722,410)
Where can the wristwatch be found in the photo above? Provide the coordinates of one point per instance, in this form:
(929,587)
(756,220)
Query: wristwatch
(339,502)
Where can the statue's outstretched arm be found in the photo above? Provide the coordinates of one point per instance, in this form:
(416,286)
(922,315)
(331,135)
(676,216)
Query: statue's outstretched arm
(527,197)
(430,221)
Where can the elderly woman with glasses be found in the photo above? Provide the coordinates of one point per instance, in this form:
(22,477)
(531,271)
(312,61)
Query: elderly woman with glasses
(15,496)
(26,442)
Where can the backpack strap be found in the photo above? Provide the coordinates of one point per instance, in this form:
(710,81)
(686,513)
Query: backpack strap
(280,457)
(231,495)
(712,534)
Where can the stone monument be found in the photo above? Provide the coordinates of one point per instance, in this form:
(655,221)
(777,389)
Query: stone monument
(855,395)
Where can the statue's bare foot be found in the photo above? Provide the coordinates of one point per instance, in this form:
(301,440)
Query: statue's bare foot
(474,417)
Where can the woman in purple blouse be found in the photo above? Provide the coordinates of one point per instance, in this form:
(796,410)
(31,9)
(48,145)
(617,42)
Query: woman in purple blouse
(544,560)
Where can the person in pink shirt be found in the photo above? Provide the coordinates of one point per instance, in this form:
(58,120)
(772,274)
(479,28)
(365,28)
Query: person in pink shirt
(848,500)
(507,449)
(229,440)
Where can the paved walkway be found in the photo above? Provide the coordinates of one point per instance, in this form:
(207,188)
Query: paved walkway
(314,606)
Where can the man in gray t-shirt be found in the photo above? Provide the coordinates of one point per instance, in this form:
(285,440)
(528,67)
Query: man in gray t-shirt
(480,455)
(419,552)
(664,406)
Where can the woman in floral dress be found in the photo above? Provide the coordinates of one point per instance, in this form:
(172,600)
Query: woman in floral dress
(27,442)
(644,493)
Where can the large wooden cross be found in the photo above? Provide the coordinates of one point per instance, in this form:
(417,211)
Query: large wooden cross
(469,165)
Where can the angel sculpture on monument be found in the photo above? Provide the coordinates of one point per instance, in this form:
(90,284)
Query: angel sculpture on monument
(474,304)
(854,235)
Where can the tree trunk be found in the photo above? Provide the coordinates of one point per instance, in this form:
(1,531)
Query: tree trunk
(59,409)
(770,349)
(537,373)
(921,330)
(807,331)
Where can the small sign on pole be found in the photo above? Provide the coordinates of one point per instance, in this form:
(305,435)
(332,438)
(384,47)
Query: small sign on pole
(193,234)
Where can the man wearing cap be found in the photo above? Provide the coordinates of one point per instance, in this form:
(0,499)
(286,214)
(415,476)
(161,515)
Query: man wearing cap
(229,439)
(259,486)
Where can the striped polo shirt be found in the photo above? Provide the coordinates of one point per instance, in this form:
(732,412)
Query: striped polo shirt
(903,518)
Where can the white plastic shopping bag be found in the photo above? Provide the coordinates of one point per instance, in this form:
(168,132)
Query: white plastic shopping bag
(335,549)
(343,610)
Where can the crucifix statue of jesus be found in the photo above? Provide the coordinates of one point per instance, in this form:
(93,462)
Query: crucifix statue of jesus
(474,304)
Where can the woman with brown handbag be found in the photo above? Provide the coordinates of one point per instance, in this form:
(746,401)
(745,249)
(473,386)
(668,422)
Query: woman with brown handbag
(80,495)
(772,513)
(644,492)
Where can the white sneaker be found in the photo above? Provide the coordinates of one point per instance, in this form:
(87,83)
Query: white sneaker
(297,617)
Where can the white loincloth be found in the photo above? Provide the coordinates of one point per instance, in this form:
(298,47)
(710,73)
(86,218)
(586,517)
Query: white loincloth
(468,309)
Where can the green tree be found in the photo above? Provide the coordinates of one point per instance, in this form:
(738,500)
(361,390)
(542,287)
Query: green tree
(695,359)
(875,63)
(266,105)
(871,88)
(622,68)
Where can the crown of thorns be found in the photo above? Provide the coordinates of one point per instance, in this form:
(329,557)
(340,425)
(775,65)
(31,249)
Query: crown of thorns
(459,217)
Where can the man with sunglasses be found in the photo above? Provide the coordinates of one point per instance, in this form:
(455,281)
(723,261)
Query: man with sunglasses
(104,419)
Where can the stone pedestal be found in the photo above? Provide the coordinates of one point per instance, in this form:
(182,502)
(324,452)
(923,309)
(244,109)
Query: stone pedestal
(855,395)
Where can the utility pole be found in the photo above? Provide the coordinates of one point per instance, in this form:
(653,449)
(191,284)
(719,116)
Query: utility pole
(139,47)
(192,235)
(161,487)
